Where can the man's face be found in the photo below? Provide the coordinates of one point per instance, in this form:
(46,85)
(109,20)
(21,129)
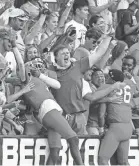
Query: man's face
(63,58)
(18,24)
(98,78)
(87,75)
(127,65)
(101,24)
(83,12)
(91,43)
(7,45)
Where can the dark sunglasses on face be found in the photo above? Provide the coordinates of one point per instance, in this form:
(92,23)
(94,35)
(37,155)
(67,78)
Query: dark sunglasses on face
(96,42)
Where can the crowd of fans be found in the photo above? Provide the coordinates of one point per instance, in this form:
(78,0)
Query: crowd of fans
(59,69)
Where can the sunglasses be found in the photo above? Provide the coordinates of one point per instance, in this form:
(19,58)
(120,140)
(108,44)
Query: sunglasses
(96,42)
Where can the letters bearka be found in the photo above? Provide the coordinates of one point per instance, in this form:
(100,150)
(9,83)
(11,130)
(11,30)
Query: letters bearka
(35,151)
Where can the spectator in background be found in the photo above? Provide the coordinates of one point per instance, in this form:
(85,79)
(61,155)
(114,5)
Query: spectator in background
(97,79)
(104,8)
(118,53)
(123,4)
(98,22)
(50,25)
(134,52)
(91,42)
(128,65)
(32,7)
(80,12)
(129,25)
(17,19)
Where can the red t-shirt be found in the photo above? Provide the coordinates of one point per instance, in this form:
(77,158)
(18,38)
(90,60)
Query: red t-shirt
(69,96)
(122,113)
(40,92)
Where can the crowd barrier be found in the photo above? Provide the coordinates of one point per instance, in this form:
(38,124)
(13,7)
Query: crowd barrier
(34,151)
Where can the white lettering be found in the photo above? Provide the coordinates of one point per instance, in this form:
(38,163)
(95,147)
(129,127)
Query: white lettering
(41,152)
(93,153)
(63,152)
(70,162)
(24,152)
(32,151)
(9,148)
(134,152)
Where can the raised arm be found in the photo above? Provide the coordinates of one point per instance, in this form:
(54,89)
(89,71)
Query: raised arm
(65,14)
(114,6)
(44,44)
(102,63)
(99,52)
(35,29)
(19,61)
(97,10)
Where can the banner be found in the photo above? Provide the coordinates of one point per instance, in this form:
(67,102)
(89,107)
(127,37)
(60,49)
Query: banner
(35,151)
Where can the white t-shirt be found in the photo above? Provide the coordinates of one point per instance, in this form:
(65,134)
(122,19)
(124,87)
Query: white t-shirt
(86,88)
(106,14)
(20,44)
(80,32)
(10,58)
(123,5)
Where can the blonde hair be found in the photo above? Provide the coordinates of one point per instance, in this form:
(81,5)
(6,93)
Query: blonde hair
(52,14)
(29,47)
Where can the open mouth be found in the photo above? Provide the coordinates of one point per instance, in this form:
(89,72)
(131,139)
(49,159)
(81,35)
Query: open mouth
(66,59)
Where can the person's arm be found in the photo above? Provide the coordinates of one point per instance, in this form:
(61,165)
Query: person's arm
(101,117)
(92,97)
(65,14)
(53,83)
(128,30)
(113,8)
(136,95)
(97,10)
(99,52)
(35,29)
(50,81)
(15,96)
(137,16)
(44,44)
(102,63)
(19,128)
(19,61)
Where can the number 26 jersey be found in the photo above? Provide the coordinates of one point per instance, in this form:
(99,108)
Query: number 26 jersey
(122,113)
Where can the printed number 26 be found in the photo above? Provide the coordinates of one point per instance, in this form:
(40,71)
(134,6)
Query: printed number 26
(126,94)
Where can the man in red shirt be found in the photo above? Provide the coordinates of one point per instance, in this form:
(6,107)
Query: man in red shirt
(119,119)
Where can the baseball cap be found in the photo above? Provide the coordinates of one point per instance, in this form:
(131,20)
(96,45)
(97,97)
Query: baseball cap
(18,13)
(116,75)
